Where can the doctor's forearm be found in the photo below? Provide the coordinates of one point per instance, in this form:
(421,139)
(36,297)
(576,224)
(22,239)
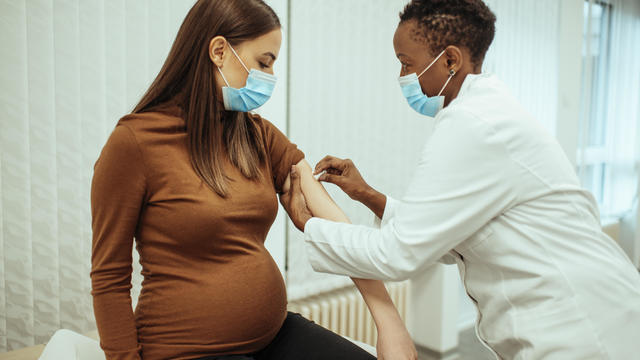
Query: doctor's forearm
(375,201)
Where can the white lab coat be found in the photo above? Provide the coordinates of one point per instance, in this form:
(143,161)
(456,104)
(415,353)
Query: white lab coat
(495,193)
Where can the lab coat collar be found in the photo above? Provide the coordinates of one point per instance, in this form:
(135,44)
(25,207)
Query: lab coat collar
(466,89)
(469,81)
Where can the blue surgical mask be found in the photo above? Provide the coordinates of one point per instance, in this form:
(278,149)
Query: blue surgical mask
(412,91)
(254,94)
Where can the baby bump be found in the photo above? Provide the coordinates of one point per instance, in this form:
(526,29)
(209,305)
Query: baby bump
(237,302)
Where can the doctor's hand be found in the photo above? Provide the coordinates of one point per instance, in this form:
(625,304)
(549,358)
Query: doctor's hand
(294,202)
(343,173)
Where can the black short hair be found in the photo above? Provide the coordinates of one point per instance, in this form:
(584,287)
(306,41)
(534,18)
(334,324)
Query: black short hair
(466,23)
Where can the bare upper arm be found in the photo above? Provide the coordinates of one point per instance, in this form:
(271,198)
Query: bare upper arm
(318,199)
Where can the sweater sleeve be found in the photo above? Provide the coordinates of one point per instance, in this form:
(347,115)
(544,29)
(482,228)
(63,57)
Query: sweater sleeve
(282,153)
(117,194)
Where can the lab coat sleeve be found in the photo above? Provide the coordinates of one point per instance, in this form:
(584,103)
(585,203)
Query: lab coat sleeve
(389,213)
(464,179)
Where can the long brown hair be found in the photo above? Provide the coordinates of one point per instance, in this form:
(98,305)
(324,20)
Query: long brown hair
(187,76)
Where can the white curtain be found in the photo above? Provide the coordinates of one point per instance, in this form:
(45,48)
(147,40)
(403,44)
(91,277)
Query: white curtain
(610,123)
(623,110)
(609,154)
(69,70)
(524,54)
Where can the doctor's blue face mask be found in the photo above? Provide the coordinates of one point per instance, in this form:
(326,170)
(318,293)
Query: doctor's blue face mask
(412,91)
(254,94)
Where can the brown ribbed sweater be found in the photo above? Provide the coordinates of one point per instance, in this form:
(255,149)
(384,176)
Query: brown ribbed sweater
(210,287)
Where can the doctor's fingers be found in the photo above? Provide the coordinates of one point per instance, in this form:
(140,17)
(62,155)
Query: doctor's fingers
(330,162)
(335,179)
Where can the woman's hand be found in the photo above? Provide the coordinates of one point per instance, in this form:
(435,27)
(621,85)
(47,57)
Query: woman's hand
(394,343)
(344,174)
(294,202)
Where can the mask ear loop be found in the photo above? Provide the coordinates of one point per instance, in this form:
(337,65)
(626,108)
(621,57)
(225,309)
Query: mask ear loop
(241,63)
(451,74)
(433,62)
(238,57)
(223,77)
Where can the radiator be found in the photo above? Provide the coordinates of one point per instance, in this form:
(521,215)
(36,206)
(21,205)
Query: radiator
(344,312)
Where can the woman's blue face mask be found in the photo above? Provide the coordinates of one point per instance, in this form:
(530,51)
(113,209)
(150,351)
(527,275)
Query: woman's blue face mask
(418,101)
(254,94)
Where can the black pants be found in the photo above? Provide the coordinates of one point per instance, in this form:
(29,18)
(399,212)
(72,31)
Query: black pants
(302,339)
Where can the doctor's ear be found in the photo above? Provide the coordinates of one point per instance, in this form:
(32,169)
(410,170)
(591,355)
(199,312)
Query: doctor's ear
(454,57)
(218,50)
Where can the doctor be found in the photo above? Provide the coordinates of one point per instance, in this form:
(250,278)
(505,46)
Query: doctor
(492,192)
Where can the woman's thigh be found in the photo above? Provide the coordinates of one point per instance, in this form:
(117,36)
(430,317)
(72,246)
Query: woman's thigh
(300,338)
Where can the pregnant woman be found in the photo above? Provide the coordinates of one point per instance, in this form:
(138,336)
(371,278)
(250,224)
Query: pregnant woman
(194,178)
